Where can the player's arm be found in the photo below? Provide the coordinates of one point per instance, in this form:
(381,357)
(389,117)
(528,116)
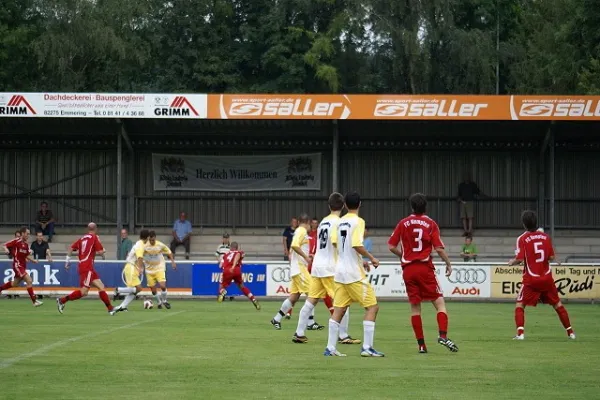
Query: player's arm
(7,246)
(72,248)
(236,260)
(394,240)
(48,254)
(519,253)
(357,243)
(438,245)
(167,251)
(296,241)
(139,255)
(32,259)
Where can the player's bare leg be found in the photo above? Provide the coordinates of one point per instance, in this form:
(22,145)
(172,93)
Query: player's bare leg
(442,320)
(520,321)
(334,332)
(285,307)
(563,315)
(249,295)
(32,296)
(130,293)
(163,294)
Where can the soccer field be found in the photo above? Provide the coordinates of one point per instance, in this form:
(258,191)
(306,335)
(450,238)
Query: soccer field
(205,350)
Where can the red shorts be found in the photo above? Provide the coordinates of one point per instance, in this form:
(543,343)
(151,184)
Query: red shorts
(532,293)
(20,272)
(228,277)
(86,277)
(421,283)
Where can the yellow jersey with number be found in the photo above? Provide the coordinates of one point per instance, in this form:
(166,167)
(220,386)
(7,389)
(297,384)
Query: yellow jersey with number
(154,259)
(349,234)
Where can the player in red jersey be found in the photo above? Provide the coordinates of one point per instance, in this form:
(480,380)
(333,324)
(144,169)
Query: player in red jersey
(232,272)
(19,249)
(535,251)
(418,235)
(87,247)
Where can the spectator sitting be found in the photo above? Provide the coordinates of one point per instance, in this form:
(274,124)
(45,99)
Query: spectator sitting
(469,250)
(288,235)
(44,221)
(40,249)
(17,235)
(368,244)
(182,231)
(125,245)
(223,248)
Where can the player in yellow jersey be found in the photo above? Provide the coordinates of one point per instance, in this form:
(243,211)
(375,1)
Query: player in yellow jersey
(299,260)
(323,271)
(154,262)
(351,282)
(133,269)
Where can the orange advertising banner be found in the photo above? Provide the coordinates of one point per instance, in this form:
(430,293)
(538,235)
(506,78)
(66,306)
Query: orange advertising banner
(403,107)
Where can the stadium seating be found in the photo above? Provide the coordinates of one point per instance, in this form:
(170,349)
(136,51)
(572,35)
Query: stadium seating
(259,244)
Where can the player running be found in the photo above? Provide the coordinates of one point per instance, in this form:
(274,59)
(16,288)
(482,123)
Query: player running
(232,272)
(418,235)
(299,260)
(351,282)
(535,251)
(154,261)
(87,247)
(19,249)
(133,269)
(322,272)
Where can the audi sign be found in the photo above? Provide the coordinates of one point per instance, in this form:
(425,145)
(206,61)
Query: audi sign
(468,275)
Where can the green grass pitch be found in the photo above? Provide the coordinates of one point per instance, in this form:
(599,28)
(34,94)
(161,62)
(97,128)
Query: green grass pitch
(205,350)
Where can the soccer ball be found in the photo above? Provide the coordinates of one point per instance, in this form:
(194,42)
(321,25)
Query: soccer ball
(148,304)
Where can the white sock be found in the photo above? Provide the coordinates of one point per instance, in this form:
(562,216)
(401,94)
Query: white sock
(158,298)
(344,325)
(303,318)
(334,328)
(164,296)
(128,299)
(125,290)
(285,307)
(369,332)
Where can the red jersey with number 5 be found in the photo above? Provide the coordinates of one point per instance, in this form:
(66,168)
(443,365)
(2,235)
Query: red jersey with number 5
(87,246)
(417,235)
(535,250)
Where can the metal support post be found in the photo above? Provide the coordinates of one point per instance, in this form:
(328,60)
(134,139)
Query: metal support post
(552,182)
(119,187)
(542,178)
(335,155)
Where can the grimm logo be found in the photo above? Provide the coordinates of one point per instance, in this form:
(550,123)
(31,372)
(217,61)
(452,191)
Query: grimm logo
(300,172)
(172,172)
(17,105)
(179,107)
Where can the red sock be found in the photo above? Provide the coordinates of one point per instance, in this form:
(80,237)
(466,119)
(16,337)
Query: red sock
(75,295)
(32,295)
(520,320)
(329,303)
(442,320)
(7,285)
(105,300)
(247,293)
(563,315)
(417,325)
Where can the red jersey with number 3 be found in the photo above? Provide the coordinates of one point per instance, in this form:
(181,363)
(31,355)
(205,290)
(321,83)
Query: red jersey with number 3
(417,235)
(535,250)
(229,259)
(87,246)
(19,249)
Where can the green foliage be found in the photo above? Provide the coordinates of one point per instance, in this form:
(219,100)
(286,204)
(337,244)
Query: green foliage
(301,46)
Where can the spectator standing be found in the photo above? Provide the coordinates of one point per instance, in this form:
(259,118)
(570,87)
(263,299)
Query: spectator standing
(288,235)
(223,248)
(124,246)
(467,193)
(44,221)
(17,235)
(182,232)
(314,225)
(368,244)
(40,248)
(469,250)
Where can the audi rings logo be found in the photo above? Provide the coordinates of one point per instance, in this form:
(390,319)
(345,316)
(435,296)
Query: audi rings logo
(281,274)
(468,275)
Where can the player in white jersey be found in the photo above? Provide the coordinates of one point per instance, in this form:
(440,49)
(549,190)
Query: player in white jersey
(154,261)
(299,260)
(323,271)
(351,282)
(133,269)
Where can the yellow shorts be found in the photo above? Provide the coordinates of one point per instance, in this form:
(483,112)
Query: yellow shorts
(131,275)
(360,292)
(321,287)
(152,278)
(301,282)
